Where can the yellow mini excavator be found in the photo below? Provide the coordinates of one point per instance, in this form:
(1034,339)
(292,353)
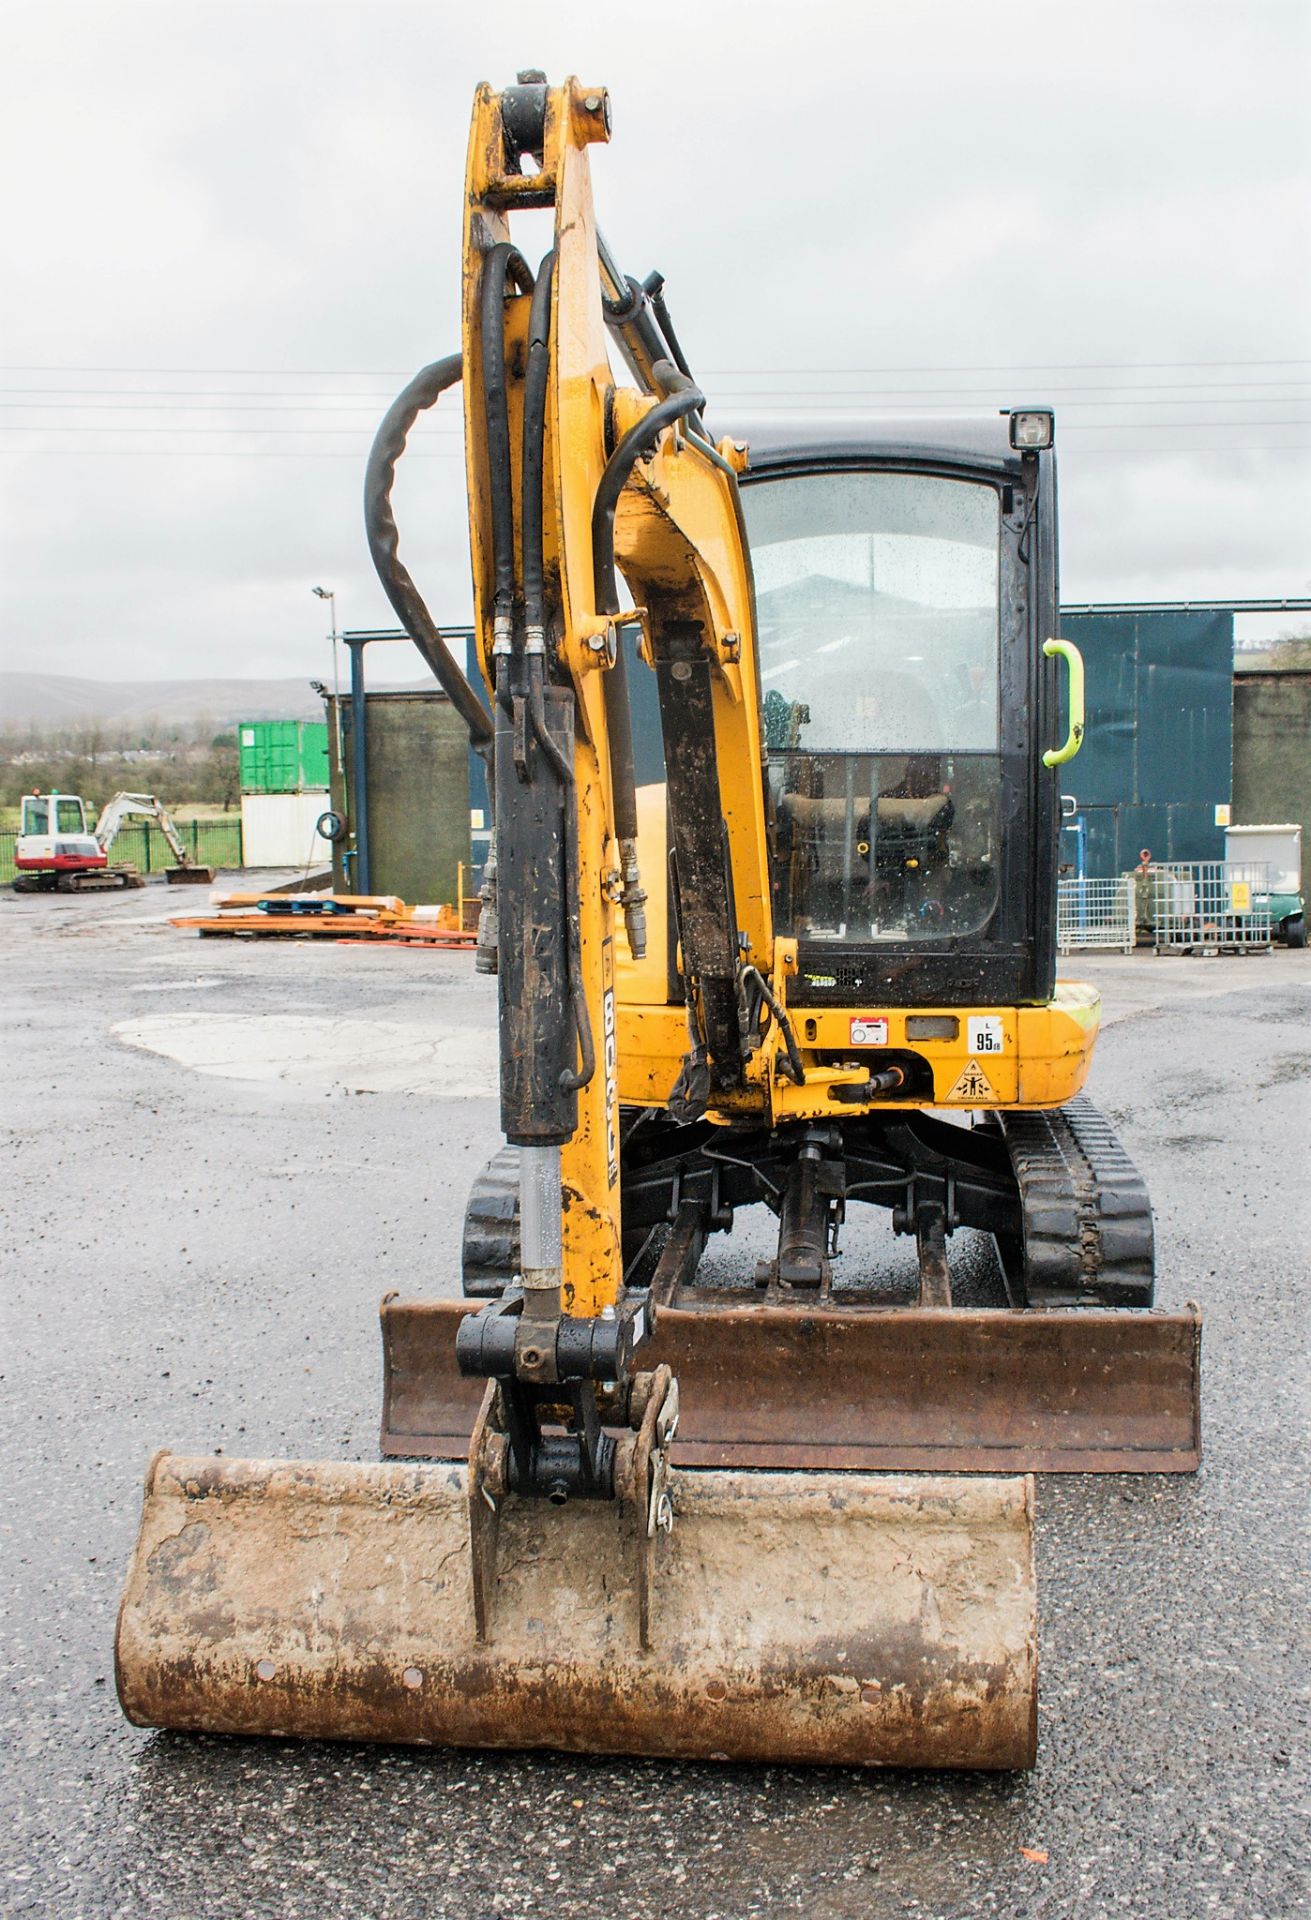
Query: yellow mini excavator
(772,914)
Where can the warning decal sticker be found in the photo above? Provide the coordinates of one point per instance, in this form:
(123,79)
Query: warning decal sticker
(973,1084)
(985,1033)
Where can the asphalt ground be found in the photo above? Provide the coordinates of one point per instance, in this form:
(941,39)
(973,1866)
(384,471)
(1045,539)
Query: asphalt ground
(217,1157)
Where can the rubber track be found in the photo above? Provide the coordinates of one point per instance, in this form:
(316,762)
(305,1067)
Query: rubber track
(490,1251)
(1088,1234)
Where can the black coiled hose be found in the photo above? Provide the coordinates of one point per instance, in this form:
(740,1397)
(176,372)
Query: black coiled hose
(682,396)
(424,391)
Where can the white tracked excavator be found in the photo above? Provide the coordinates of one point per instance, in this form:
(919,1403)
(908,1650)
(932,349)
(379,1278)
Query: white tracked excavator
(58,850)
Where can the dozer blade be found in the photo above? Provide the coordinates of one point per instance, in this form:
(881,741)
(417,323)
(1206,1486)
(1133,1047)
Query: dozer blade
(1065,1390)
(189,876)
(842,1619)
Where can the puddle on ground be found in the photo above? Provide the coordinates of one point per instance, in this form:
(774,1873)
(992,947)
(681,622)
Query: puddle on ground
(444,1062)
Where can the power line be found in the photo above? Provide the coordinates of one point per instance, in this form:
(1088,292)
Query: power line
(297,453)
(824,400)
(1017,366)
(1083,426)
(198,394)
(403,373)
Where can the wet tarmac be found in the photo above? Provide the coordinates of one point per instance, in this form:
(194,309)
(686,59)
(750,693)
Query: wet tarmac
(218,1155)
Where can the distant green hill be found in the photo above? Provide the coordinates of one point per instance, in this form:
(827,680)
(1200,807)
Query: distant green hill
(56,699)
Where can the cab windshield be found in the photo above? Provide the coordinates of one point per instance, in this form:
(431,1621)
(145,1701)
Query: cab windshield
(877,602)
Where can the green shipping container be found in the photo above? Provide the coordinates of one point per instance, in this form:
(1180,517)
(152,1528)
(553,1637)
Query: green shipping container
(283,756)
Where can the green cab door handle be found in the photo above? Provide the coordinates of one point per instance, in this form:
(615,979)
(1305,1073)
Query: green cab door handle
(1067,651)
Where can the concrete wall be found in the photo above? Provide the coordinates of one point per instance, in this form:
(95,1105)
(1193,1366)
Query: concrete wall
(417,785)
(1272,754)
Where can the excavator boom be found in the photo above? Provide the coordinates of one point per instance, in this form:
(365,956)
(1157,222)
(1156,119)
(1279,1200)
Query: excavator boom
(127,806)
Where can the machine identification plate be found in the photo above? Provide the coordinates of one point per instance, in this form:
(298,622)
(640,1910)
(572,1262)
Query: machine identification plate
(868,1031)
(985,1034)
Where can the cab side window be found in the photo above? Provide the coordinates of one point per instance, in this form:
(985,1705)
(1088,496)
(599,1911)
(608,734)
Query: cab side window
(36,815)
(69,817)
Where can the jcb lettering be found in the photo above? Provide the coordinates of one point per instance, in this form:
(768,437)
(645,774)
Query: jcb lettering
(611,1087)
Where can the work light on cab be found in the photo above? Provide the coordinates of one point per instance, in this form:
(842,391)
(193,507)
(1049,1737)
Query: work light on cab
(1033,430)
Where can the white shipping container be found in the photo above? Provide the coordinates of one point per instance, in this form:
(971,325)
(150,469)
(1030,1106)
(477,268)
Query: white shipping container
(279,830)
(1280,847)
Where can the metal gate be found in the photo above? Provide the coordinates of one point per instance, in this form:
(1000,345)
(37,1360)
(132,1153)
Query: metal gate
(1211,906)
(1095,913)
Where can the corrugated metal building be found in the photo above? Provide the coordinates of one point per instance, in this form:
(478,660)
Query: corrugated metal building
(1157,759)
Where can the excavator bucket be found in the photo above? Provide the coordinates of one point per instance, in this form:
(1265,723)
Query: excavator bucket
(189,876)
(803,1617)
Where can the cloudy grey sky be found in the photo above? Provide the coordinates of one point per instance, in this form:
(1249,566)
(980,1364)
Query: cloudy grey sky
(232,231)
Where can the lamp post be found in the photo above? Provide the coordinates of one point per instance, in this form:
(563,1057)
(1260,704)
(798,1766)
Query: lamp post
(329,594)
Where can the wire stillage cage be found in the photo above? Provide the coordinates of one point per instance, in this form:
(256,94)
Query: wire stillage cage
(1211,906)
(1095,913)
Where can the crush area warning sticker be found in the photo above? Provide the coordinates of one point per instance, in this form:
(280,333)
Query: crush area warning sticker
(973,1084)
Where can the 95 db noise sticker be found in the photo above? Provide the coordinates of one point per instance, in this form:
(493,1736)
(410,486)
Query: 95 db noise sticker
(985,1034)
(868,1030)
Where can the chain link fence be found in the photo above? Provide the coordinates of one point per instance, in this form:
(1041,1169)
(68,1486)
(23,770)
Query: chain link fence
(1211,906)
(139,843)
(1094,914)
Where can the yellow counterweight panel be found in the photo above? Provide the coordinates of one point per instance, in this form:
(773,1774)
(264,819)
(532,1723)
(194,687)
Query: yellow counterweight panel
(1043,1062)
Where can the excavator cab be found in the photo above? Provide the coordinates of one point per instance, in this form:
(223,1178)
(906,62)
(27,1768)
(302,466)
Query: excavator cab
(55,843)
(904,590)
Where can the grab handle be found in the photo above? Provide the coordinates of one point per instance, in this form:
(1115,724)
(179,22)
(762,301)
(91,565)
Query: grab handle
(1067,651)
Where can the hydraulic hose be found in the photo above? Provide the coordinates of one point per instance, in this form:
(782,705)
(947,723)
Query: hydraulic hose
(537,714)
(534,440)
(628,317)
(502,263)
(384,542)
(654,289)
(682,397)
(795,1068)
